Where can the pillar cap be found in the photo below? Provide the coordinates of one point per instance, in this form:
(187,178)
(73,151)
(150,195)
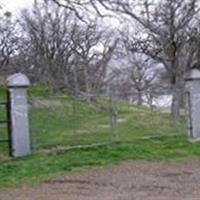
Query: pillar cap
(193,74)
(18,80)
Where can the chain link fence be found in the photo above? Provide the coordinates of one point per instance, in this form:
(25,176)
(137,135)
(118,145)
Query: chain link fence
(63,122)
(60,121)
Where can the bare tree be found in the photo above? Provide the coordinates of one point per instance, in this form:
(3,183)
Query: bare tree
(8,40)
(94,48)
(48,47)
(142,75)
(137,77)
(74,6)
(64,52)
(165,32)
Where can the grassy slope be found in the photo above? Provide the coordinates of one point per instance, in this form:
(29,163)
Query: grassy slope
(56,127)
(78,123)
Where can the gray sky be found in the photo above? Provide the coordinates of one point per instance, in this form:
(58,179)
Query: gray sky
(15,5)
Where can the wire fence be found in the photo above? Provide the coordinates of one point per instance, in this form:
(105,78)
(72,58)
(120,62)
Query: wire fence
(57,122)
(62,122)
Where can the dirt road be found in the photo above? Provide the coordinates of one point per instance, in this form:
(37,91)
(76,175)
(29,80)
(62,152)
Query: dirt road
(133,180)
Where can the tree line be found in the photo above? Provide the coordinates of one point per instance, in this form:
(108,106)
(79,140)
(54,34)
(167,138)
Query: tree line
(68,44)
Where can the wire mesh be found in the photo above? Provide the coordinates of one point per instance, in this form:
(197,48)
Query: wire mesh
(61,121)
(65,122)
(146,120)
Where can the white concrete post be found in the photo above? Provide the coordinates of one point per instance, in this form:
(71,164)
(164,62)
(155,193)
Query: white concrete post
(193,102)
(19,125)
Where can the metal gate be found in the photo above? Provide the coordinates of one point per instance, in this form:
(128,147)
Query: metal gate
(5,124)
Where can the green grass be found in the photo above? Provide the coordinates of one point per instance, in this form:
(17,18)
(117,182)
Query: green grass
(75,122)
(35,168)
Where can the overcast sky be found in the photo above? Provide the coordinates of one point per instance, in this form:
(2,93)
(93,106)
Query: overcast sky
(15,5)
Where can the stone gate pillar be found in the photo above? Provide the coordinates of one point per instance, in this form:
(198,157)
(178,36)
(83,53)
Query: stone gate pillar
(193,102)
(18,115)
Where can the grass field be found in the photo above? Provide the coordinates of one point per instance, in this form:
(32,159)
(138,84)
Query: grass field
(75,122)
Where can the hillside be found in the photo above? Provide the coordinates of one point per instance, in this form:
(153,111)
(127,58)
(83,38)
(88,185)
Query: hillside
(59,123)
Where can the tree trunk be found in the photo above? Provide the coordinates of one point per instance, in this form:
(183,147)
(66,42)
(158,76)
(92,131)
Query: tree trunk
(139,98)
(76,83)
(177,93)
(88,88)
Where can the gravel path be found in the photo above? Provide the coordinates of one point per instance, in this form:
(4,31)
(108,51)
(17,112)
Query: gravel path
(133,180)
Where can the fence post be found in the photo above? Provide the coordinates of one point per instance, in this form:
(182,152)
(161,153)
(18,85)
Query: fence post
(113,116)
(193,102)
(18,115)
